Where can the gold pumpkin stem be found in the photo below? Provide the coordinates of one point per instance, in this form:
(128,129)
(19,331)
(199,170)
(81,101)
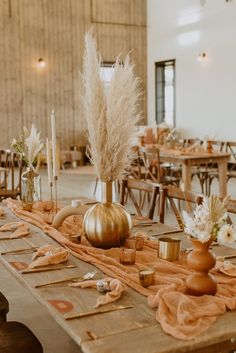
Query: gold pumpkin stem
(107,192)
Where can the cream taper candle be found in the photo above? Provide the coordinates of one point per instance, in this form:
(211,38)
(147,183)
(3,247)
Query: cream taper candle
(49,165)
(54,144)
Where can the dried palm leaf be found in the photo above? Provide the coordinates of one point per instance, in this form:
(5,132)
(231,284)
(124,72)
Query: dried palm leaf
(217,209)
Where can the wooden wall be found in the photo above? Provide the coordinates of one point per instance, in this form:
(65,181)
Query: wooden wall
(54,30)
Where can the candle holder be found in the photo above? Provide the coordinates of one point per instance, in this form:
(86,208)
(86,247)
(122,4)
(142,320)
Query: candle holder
(147,277)
(103,286)
(169,249)
(135,243)
(127,256)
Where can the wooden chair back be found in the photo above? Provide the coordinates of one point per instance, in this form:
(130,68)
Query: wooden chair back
(151,161)
(129,186)
(11,170)
(230,146)
(231,209)
(173,194)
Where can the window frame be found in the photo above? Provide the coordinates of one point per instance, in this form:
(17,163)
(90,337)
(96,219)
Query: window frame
(164,63)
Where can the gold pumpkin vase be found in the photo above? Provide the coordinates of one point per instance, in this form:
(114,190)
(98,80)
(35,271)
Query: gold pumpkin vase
(107,224)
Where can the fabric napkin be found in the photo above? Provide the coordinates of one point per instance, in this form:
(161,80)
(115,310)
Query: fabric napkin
(225,267)
(49,255)
(19,229)
(116,286)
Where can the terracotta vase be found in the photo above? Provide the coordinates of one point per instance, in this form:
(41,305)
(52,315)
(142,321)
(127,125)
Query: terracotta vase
(201,260)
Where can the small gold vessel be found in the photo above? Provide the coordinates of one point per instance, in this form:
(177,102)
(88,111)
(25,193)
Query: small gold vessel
(147,277)
(169,248)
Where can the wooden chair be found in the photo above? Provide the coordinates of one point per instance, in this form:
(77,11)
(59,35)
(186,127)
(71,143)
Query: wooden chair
(231,209)
(230,146)
(173,194)
(10,185)
(17,338)
(154,171)
(4,308)
(211,169)
(129,186)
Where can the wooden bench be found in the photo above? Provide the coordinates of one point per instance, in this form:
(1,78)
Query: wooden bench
(4,308)
(15,337)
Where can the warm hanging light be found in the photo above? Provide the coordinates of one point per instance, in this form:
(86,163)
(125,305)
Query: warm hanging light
(201,56)
(41,63)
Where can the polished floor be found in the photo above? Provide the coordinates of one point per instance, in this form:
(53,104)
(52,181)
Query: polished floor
(23,306)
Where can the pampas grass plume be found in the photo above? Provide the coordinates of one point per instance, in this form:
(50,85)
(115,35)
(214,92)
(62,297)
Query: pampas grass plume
(111,115)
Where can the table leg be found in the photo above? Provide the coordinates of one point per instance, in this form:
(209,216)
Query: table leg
(222,168)
(186,176)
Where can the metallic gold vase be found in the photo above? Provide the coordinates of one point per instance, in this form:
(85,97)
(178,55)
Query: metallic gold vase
(107,224)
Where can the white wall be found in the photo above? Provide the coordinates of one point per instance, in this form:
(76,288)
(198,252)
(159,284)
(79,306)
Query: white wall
(205,91)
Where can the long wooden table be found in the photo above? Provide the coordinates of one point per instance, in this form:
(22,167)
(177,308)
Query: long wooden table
(187,161)
(133,330)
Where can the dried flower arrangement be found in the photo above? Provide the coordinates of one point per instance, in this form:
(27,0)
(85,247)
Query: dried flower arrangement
(111,113)
(209,221)
(28,146)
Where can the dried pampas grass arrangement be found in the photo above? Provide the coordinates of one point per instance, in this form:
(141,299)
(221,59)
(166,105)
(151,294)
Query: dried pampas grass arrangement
(111,114)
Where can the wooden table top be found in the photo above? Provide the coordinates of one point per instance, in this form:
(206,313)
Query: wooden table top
(133,330)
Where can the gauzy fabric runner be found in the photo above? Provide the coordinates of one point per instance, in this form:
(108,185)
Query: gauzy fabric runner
(182,316)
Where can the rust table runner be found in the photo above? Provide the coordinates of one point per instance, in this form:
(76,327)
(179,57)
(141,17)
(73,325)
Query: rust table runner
(180,315)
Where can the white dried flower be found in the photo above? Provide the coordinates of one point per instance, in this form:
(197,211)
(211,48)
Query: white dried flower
(226,234)
(14,142)
(208,219)
(33,145)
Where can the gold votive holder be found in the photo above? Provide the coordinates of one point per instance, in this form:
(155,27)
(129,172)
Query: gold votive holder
(135,243)
(169,248)
(147,277)
(75,239)
(127,256)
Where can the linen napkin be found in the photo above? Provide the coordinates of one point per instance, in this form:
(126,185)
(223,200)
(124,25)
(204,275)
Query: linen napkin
(116,289)
(225,267)
(49,255)
(19,229)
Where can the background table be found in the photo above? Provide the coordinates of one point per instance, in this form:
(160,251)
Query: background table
(187,161)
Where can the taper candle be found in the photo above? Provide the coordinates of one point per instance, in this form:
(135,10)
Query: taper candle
(54,144)
(49,165)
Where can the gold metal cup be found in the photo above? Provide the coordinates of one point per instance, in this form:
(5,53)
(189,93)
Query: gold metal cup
(169,248)
(147,277)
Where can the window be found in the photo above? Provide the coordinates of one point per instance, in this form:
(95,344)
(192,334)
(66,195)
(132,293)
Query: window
(165,92)
(106,73)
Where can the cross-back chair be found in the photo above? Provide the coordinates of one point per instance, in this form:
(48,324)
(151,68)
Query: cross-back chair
(230,146)
(211,169)
(154,170)
(11,165)
(174,195)
(231,210)
(130,187)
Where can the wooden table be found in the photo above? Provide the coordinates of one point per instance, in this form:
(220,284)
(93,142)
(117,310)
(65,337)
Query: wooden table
(133,330)
(187,161)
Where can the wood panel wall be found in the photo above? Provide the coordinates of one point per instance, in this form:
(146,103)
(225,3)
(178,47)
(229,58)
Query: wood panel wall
(54,30)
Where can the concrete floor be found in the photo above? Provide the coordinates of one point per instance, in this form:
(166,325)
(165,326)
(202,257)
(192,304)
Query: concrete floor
(23,306)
